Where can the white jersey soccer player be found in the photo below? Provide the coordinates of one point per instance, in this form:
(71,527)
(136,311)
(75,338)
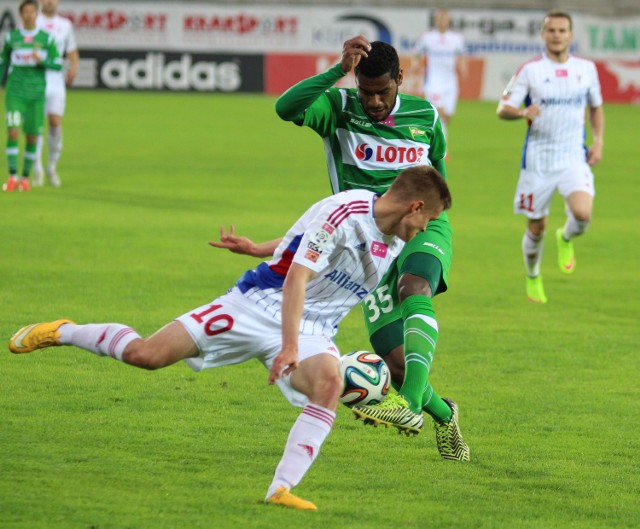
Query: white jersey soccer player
(338,239)
(556,88)
(555,139)
(443,50)
(61,29)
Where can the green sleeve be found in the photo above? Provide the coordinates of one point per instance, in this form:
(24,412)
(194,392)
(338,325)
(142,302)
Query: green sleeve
(440,166)
(292,105)
(5,56)
(53,61)
(438,148)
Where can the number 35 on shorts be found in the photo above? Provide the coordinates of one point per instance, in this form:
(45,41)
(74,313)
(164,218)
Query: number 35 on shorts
(377,303)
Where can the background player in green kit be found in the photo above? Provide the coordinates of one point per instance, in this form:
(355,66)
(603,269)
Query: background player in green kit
(371,133)
(27,52)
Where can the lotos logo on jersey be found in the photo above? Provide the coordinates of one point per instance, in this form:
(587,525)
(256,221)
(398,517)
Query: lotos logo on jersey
(363,151)
(376,153)
(392,154)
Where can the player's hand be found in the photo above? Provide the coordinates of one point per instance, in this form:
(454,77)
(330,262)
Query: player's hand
(285,363)
(229,241)
(595,153)
(36,57)
(69,79)
(531,112)
(352,51)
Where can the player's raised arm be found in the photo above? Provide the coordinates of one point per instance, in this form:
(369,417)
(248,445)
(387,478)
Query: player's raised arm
(291,105)
(352,51)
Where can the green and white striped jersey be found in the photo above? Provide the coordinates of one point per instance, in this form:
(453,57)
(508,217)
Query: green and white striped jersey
(366,154)
(26,77)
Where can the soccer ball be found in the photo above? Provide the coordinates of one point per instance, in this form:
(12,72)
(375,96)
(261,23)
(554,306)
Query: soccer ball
(366,378)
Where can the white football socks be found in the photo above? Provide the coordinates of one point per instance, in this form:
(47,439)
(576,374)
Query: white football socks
(54,139)
(305,439)
(532,247)
(574,227)
(103,339)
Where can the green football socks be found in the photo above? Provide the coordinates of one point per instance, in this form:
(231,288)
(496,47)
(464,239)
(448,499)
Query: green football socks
(12,156)
(29,158)
(420,339)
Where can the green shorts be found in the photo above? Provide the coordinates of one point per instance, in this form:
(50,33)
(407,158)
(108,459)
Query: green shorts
(427,255)
(27,114)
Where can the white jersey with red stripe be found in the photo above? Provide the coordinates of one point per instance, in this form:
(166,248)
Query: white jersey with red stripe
(442,51)
(339,240)
(555,139)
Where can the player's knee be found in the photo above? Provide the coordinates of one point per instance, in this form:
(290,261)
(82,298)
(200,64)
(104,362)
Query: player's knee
(144,357)
(537,227)
(582,215)
(327,388)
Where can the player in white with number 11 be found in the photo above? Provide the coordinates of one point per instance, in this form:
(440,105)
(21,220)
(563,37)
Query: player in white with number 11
(555,88)
(61,29)
(285,312)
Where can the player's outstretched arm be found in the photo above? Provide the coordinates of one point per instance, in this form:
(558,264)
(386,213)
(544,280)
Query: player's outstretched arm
(244,245)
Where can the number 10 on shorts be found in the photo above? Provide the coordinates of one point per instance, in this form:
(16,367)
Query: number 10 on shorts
(215,324)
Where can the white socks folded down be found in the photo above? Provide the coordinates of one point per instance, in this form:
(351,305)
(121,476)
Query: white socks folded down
(103,339)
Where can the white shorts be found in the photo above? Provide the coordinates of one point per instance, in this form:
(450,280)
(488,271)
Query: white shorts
(444,97)
(535,188)
(56,96)
(232,329)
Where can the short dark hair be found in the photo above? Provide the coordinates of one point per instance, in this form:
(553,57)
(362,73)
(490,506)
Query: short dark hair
(26,3)
(422,182)
(383,59)
(557,13)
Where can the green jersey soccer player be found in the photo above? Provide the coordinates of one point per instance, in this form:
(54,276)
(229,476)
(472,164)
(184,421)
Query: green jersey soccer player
(371,133)
(27,52)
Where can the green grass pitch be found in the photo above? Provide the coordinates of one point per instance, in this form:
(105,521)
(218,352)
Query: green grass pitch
(548,394)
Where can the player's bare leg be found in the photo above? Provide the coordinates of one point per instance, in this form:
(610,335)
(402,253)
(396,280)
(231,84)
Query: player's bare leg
(169,345)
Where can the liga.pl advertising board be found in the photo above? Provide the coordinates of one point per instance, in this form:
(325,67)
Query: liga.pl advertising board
(252,48)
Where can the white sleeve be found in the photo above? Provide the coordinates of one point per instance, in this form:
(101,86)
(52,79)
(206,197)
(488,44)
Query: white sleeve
(71,40)
(318,241)
(517,89)
(460,50)
(594,95)
(421,45)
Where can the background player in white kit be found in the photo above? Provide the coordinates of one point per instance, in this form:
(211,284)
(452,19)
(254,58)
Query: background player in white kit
(555,87)
(443,50)
(285,312)
(56,95)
